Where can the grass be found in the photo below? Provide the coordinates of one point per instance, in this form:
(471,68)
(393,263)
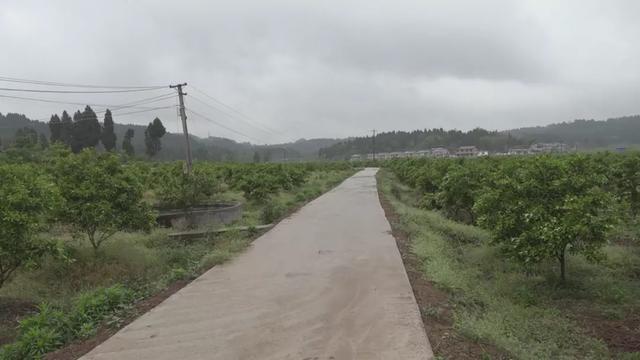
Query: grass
(71,285)
(527,313)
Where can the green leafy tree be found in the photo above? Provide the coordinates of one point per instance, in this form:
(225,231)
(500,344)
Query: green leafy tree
(108,134)
(127,144)
(152,136)
(26,197)
(55,127)
(44,143)
(26,138)
(459,190)
(626,180)
(86,130)
(543,207)
(181,190)
(100,196)
(66,128)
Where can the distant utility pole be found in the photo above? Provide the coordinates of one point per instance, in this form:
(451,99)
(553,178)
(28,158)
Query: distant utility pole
(373,141)
(183,116)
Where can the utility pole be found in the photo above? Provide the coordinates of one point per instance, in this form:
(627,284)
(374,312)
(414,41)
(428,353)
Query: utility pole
(183,116)
(373,141)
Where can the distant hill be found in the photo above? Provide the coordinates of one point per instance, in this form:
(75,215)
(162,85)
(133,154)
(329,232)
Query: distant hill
(420,140)
(211,148)
(584,134)
(587,134)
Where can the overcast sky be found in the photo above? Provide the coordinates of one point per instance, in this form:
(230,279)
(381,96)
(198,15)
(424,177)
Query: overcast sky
(332,68)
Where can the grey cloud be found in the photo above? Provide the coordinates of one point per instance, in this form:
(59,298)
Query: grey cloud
(338,68)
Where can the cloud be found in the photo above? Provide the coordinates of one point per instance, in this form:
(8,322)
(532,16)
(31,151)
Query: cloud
(336,68)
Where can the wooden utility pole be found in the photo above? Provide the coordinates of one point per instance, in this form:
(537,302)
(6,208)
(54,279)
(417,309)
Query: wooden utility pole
(183,116)
(373,141)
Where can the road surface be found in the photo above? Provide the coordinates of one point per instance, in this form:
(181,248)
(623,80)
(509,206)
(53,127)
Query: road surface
(326,283)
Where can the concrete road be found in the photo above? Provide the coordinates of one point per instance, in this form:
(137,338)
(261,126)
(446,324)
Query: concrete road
(326,283)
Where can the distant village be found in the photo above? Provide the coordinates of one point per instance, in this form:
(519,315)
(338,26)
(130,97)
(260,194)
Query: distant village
(466,151)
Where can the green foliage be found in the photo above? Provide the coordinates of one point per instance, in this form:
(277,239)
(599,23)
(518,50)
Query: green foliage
(493,301)
(86,129)
(26,138)
(55,127)
(422,139)
(272,211)
(66,129)
(459,189)
(127,146)
(26,197)
(537,207)
(152,136)
(181,190)
(108,136)
(93,306)
(100,196)
(51,328)
(546,206)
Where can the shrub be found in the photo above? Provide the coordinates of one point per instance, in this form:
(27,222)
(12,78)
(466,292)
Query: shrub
(181,190)
(100,196)
(25,197)
(51,328)
(272,211)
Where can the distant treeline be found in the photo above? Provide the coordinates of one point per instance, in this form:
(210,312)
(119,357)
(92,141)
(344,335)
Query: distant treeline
(210,148)
(423,139)
(585,134)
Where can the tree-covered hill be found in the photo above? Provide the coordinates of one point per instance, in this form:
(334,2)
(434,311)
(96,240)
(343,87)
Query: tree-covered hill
(587,134)
(584,134)
(422,139)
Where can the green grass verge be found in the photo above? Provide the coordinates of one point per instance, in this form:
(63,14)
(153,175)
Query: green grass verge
(529,314)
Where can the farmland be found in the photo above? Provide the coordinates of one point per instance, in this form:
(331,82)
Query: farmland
(80,246)
(535,257)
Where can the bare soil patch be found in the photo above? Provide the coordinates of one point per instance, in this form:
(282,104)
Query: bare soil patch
(11,311)
(620,335)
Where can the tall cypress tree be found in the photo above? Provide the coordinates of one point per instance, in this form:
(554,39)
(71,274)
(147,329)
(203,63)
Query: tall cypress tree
(86,130)
(66,129)
(108,134)
(152,136)
(127,146)
(44,143)
(55,127)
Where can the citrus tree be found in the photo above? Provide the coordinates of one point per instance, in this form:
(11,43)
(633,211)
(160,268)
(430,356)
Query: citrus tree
(544,207)
(181,190)
(26,198)
(100,196)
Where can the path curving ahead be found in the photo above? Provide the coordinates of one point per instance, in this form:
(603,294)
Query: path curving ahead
(326,283)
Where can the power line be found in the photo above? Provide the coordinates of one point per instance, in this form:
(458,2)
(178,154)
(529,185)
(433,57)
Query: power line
(60,84)
(223,126)
(78,91)
(137,102)
(247,118)
(141,111)
(232,116)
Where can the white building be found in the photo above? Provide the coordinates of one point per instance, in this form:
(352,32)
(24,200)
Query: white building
(439,152)
(548,148)
(467,151)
